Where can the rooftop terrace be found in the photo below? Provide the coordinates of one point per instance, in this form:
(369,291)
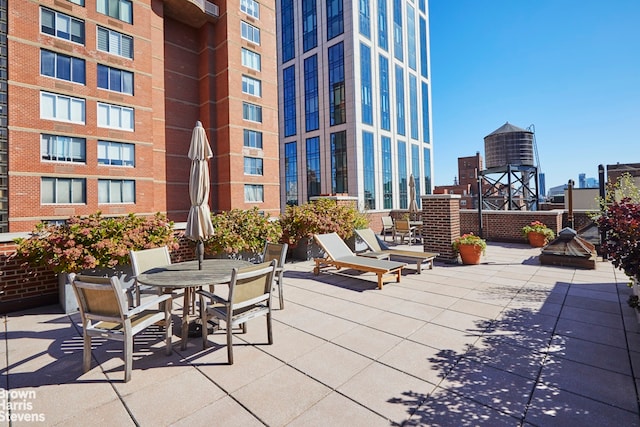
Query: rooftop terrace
(507,342)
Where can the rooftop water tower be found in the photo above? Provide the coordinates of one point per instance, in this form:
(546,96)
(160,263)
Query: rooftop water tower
(511,169)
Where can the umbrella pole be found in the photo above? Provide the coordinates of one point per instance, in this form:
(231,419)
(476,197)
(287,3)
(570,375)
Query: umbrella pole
(200,253)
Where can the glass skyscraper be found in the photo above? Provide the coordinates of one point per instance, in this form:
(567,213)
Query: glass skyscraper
(357,119)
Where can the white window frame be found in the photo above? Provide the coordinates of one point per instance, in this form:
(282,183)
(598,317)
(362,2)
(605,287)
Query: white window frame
(251,59)
(57,185)
(123,78)
(251,8)
(114,40)
(250,111)
(254,166)
(112,116)
(253,193)
(58,148)
(251,86)
(120,188)
(252,138)
(56,68)
(62,108)
(61,20)
(250,32)
(106,6)
(111,153)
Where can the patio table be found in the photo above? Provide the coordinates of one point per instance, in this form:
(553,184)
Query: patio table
(187,276)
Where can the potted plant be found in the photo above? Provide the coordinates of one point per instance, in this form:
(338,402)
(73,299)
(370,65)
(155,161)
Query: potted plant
(538,234)
(241,234)
(470,247)
(93,245)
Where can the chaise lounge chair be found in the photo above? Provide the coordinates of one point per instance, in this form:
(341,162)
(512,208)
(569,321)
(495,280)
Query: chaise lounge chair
(339,255)
(379,249)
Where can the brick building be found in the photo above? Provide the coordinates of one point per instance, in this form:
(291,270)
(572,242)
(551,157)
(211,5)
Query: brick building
(99,98)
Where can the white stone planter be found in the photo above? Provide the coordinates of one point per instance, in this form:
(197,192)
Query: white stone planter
(66,296)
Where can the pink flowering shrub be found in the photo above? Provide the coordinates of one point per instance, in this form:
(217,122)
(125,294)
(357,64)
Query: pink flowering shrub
(94,241)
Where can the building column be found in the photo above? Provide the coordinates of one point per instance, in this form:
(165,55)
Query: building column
(441,224)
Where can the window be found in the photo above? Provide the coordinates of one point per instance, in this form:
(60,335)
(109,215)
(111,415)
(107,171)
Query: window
(426,159)
(251,59)
(411,36)
(385,102)
(309,25)
(115,117)
(365,18)
(335,22)
(116,191)
(249,32)
(313,167)
(413,106)
(289,100)
(61,108)
(78,2)
(424,67)
(253,193)
(119,9)
(116,153)
(311,109)
(337,107)
(339,173)
(114,79)
(62,148)
(250,7)
(425,112)
(387,173)
(397,30)
(252,112)
(252,139)
(291,173)
(369,171)
(61,26)
(287,27)
(402,174)
(251,86)
(400,118)
(62,67)
(415,170)
(115,43)
(253,166)
(383,41)
(365,84)
(62,190)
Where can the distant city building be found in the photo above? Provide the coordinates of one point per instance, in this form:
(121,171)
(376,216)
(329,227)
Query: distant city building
(542,185)
(582,180)
(354,100)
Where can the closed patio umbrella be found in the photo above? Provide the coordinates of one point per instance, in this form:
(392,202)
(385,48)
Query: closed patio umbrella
(199,226)
(413,205)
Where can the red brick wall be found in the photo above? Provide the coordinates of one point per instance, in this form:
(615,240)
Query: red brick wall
(506,226)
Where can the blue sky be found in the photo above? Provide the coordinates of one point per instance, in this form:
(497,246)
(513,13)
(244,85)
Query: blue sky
(569,67)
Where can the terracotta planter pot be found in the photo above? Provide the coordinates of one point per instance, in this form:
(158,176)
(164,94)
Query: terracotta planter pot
(470,254)
(537,240)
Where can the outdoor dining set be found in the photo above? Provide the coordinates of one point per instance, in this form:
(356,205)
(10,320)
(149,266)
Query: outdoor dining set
(110,310)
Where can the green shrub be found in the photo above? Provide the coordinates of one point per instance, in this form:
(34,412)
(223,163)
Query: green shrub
(240,230)
(320,217)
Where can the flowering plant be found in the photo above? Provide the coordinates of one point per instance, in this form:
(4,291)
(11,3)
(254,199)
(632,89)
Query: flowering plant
(94,241)
(469,239)
(538,227)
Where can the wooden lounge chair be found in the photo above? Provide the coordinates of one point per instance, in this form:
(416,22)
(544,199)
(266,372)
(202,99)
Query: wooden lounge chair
(378,248)
(339,255)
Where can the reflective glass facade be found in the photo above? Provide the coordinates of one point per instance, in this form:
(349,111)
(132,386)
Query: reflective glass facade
(387,173)
(385,108)
(291,173)
(287,27)
(289,94)
(309,25)
(336,85)
(365,84)
(369,165)
(339,173)
(400,116)
(312,118)
(402,174)
(313,167)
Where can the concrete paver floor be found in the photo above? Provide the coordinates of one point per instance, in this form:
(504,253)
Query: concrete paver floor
(507,342)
